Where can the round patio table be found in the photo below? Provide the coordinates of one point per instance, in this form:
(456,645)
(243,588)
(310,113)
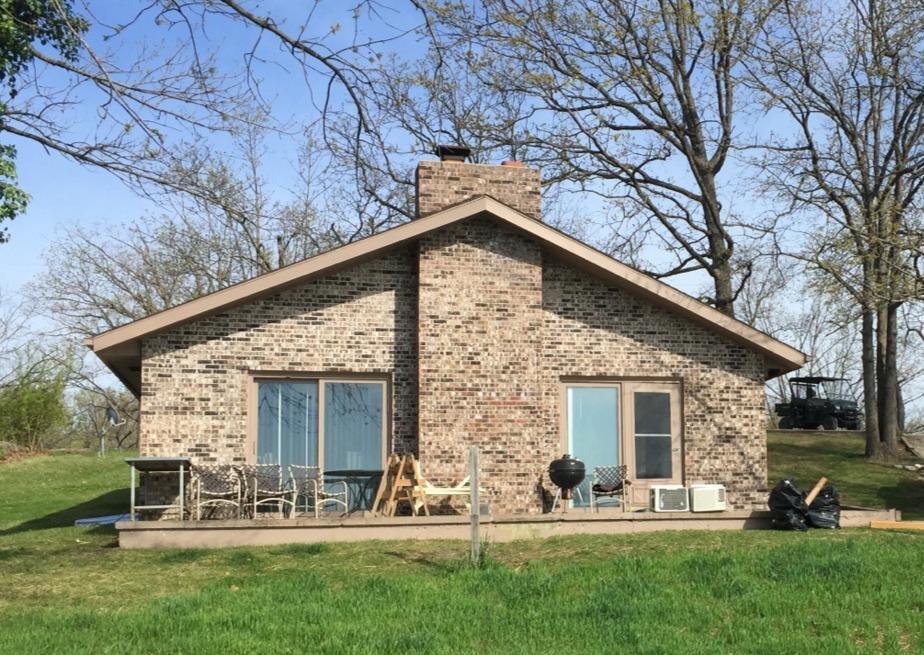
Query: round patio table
(362,483)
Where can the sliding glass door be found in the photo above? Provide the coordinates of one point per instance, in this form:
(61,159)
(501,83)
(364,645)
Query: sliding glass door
(339,423)
(287,423)
(353,425)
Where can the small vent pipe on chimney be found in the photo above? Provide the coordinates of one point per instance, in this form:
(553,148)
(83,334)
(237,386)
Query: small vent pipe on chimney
(453,153)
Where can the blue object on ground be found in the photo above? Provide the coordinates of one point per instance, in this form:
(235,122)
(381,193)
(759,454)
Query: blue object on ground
(104,520)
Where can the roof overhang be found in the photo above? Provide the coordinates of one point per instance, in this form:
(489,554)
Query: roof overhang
(120,348)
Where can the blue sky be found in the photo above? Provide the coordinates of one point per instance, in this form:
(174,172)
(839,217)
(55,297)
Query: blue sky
(62,192)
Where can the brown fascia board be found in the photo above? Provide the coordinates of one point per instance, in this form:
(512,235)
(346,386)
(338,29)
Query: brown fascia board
(781,357)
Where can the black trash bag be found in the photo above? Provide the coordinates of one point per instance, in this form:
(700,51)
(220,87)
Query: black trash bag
(788,520)
(825,510)
(787,503)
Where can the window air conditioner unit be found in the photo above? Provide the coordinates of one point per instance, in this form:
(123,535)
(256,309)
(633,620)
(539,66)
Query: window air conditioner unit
(669,498)
(707,498)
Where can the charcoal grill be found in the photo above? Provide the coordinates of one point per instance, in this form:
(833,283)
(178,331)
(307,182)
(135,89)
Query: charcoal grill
(566,473)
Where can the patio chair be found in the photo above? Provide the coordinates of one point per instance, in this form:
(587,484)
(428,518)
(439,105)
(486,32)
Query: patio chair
(264,484)
(609,482)
(216,487)
(308,482)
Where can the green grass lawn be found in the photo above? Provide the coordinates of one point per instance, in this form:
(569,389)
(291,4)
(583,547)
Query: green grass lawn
(70,590)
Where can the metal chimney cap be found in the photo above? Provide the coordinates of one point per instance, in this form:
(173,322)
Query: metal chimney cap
(453,152)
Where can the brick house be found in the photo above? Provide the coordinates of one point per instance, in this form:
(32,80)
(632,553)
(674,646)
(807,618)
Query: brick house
(476,323)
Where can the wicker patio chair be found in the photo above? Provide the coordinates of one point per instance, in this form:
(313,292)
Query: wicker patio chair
(216,487)
(609,482)
(308,482)
(264,484)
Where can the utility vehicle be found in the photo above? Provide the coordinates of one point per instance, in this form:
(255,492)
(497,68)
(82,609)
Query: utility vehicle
(819,402)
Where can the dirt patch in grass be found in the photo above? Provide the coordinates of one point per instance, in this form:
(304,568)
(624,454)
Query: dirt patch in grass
(10,452)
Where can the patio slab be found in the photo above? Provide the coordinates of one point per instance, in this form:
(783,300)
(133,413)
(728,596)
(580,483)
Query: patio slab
(272,532)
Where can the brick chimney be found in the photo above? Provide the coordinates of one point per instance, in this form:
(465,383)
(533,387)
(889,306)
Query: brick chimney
(451,180)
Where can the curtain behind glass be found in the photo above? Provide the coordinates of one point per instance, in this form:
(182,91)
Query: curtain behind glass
(353,425)
(287,423)
(268,424)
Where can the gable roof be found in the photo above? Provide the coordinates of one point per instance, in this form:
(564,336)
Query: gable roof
(120,348)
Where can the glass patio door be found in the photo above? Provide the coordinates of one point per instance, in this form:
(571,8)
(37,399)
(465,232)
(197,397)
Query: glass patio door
(353,425)
(287,423)
(593,430)
(340,423)
(291,430)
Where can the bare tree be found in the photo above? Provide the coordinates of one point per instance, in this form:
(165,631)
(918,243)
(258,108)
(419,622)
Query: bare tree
(92,405)
(148,99)
(13,320)
(636,101)
(161,84)
(231,228)
(851,80)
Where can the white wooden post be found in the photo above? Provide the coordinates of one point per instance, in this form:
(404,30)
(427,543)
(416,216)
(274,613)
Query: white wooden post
(475,510)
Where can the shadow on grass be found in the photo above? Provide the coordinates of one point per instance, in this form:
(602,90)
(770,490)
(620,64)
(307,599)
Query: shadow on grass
(183,556)
(439,565)
(300,549)
(907,496)
(112,502)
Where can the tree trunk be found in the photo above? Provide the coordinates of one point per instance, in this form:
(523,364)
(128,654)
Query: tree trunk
(724,292)
(721,248)
(888,427)
(882,345)
(870,399)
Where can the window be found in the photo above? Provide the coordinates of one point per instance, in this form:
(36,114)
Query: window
(653,441)
(337,424)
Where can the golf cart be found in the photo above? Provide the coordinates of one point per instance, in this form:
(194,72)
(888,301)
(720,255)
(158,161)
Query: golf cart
(819,402)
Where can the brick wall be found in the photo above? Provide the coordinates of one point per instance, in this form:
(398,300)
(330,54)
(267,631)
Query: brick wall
(441,184)
(480,325)
(592,329)
(501,324)
(494,327)
(359,320)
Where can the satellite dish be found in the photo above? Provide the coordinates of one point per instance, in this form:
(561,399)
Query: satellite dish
(113,417)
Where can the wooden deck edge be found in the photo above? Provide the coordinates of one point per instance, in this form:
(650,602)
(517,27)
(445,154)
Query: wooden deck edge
(223,534)
(897,525)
